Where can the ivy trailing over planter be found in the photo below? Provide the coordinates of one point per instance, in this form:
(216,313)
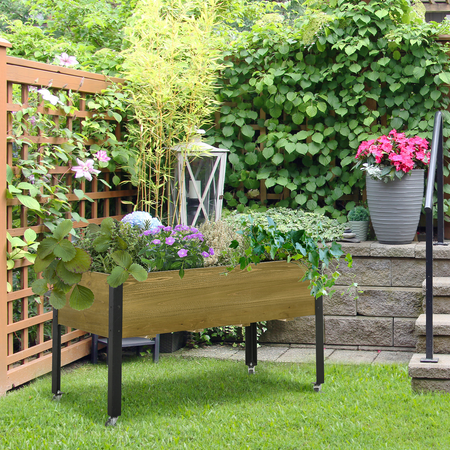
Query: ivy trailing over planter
(298,100)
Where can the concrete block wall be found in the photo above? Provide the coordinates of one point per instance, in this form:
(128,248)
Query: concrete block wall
(383,315)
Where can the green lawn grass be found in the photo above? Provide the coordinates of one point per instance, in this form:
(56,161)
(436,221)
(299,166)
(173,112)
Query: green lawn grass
(211,404)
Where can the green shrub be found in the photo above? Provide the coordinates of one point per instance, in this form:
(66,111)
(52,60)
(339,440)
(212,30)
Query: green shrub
(317,225)
(219,235)
(358,214)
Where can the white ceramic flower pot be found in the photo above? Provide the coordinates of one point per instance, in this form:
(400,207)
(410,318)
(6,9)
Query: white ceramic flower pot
(395,207)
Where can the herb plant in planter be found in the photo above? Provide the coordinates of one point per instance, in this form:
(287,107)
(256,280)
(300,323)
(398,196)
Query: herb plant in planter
(358,221)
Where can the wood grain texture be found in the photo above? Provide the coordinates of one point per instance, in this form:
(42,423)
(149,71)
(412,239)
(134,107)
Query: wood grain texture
(203,298)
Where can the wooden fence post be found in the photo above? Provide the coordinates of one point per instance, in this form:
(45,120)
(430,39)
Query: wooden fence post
(4,385)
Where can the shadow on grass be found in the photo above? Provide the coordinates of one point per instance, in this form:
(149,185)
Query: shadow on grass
(175,385)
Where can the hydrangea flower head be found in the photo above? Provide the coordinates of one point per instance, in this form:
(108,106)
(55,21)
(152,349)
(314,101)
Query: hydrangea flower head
(142,219)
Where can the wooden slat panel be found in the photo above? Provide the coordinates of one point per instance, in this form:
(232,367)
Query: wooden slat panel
(35,77)
(16,326)
(12,60)
(11,359)
(40,366)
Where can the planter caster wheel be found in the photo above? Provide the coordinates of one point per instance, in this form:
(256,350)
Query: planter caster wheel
(58,396)
(252,370)
(111,422)
(317,387)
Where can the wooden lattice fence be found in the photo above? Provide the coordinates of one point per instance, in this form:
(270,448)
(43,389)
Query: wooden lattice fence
(25,324)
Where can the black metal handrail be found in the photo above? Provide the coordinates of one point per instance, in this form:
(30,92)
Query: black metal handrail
(435,174)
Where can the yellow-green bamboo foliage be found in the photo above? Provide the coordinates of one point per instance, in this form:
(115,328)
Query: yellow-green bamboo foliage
(171,65)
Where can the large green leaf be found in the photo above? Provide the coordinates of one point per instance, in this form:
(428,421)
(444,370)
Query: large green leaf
(227,131)
(138,272)
(30,235)
(251,159)
(46,247)
(122,258)
(248,131)
(41,264)
(57,299)
(65,250)
(107,225)
(80,263)
(39,287)
(278,159)
(29,202)
(81,298)
(66,276)
(118,276)
(50,272)
(63,229)
(102,243)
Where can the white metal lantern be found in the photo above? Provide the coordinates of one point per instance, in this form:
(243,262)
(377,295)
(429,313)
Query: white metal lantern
(199,181)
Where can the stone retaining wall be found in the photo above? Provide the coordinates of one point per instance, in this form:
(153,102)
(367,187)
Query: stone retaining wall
(384,314)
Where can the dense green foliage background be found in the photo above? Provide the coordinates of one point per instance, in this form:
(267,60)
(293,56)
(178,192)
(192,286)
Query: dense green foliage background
(336,77)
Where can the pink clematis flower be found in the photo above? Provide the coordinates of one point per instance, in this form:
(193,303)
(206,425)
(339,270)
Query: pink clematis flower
(47,95)
(65,60)
(102,156)
(85,169)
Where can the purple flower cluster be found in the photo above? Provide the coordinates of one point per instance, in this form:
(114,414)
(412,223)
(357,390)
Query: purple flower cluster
(174,247)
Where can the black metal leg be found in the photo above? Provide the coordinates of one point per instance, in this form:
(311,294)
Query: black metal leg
(115,354)
(251,342)
(94,349)
(320,355)
(56,356)
(156,349)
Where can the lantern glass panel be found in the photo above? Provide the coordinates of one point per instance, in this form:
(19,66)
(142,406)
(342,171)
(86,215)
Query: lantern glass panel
(201,183)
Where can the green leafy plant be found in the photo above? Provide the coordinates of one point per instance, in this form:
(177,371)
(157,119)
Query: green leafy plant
(116,248)
(62,266)
(219,236)
(20,248)
(297,247)
(358,214)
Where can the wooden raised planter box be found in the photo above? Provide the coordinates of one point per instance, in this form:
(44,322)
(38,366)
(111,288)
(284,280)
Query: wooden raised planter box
(205,297)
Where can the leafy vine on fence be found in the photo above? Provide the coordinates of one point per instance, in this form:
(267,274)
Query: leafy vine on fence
(43,126)
(296,103)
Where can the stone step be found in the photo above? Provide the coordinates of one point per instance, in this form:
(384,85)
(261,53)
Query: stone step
(441,333)
(441,295)
(441,325)
(427,377)
(441,287)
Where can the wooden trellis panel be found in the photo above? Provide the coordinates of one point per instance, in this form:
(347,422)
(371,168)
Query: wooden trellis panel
(25,324)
